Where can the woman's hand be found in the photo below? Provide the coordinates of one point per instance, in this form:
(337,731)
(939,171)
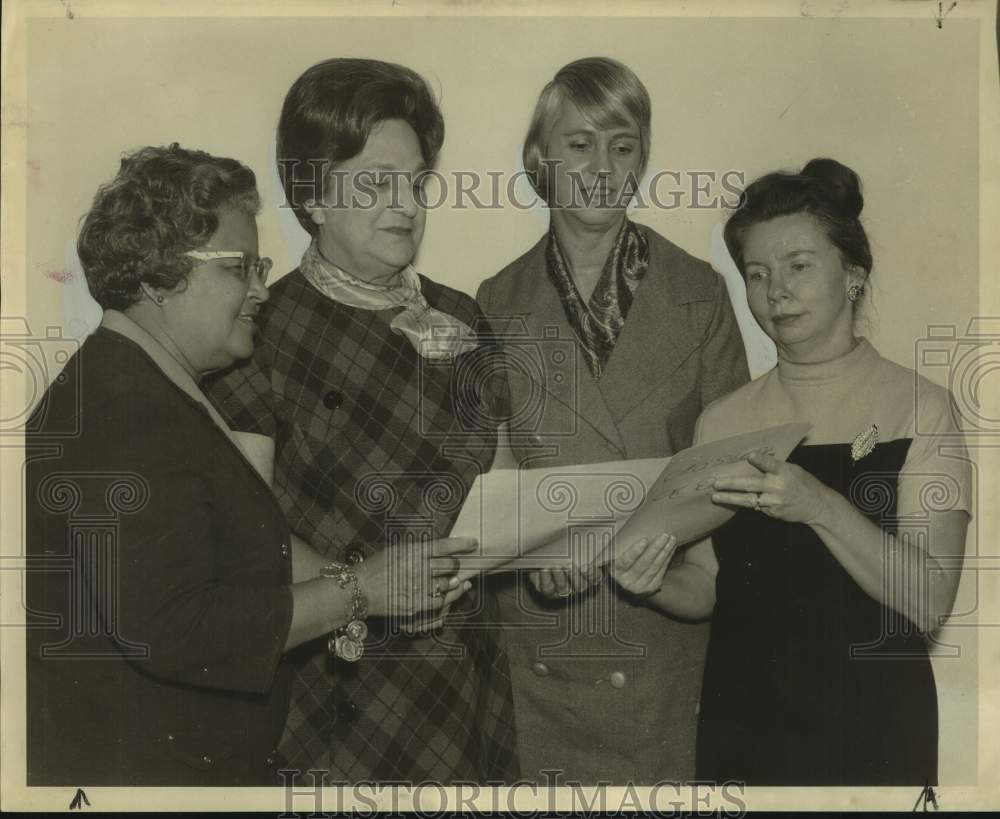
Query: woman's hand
(640,568)
(565,581)
(403,581)
(784,491)
(423,624)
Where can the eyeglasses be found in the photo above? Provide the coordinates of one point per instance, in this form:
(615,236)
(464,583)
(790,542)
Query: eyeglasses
(248,266)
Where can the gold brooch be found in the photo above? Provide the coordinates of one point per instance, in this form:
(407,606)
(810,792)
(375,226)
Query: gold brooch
(864,443)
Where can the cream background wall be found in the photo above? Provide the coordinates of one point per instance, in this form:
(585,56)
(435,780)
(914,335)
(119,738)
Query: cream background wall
(895,99)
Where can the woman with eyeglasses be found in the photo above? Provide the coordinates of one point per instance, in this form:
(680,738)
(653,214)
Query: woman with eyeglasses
(164,589)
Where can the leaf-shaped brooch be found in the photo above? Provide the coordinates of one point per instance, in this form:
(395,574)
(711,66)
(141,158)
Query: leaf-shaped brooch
(864,443)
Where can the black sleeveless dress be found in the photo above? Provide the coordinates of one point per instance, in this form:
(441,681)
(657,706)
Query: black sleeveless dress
(808,680)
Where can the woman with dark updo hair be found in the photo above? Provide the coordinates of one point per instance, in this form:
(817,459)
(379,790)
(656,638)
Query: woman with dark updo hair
(840,562)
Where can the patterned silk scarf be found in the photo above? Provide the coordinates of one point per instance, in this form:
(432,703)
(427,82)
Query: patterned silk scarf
(432,333)
(598,323)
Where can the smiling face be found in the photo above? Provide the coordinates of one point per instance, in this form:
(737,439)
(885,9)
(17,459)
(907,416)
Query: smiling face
(797,288)
(210,317)
(597,168)
(371,223)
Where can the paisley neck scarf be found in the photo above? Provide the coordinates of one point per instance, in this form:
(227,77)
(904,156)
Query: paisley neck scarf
(598,323)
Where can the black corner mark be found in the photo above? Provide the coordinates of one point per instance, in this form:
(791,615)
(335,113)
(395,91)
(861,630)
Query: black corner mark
(79,801)
(927,797)
(942,12)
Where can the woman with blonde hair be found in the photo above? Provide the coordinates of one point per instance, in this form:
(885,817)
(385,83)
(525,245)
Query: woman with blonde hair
(655,341)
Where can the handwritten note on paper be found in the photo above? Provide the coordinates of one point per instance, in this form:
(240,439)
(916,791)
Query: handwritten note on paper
(536,518)
(680,501)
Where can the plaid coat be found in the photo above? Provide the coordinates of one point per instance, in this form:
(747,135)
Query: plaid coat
(375,444)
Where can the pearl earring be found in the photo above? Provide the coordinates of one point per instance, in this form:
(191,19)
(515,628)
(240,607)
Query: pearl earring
(159,298)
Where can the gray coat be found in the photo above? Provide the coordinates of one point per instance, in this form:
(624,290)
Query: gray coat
(606,688)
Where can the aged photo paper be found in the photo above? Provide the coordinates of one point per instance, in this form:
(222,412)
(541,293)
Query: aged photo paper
(906,92)
(523,518)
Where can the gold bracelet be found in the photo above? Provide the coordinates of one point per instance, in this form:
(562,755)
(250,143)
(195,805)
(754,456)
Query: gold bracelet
(347,642)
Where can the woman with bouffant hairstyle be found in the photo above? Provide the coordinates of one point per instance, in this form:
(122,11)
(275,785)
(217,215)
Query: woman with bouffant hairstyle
(358,378)
(841,561)
(330,112)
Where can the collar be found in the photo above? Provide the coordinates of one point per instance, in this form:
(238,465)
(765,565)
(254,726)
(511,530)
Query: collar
(171,368)
(859,359)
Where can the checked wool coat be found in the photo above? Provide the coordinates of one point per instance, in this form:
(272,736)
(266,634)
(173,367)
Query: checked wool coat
(606,688)
(372,444)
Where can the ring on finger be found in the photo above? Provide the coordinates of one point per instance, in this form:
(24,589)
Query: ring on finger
(756,502)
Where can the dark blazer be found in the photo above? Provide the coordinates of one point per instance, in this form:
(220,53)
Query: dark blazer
(158,593)
(605,688)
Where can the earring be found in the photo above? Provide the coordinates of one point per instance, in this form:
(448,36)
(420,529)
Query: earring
(854,292)
(159,298)
(315,213)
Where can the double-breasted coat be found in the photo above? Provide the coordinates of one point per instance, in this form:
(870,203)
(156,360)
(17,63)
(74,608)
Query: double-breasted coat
(606,687)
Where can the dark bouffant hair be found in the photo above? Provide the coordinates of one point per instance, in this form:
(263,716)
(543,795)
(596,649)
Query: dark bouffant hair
(331,110)
(162,203)
(824,188)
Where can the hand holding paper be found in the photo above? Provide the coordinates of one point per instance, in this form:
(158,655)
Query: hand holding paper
(550,518)
(640,567)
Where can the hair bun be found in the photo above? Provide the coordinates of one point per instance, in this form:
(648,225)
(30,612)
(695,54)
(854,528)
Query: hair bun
(840,183)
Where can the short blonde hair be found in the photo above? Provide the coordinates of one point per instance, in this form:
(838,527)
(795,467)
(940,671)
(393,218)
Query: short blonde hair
(607,93)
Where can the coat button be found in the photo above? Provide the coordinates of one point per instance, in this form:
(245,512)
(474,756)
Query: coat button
(540,669)
(618,679)
(207,759)
(332,400)
(284,550)
(170,737)
(536,439)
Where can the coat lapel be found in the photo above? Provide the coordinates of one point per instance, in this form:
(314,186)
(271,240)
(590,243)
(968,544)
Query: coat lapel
(656,337)
(538,303)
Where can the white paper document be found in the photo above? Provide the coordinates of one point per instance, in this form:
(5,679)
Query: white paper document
(543,518)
